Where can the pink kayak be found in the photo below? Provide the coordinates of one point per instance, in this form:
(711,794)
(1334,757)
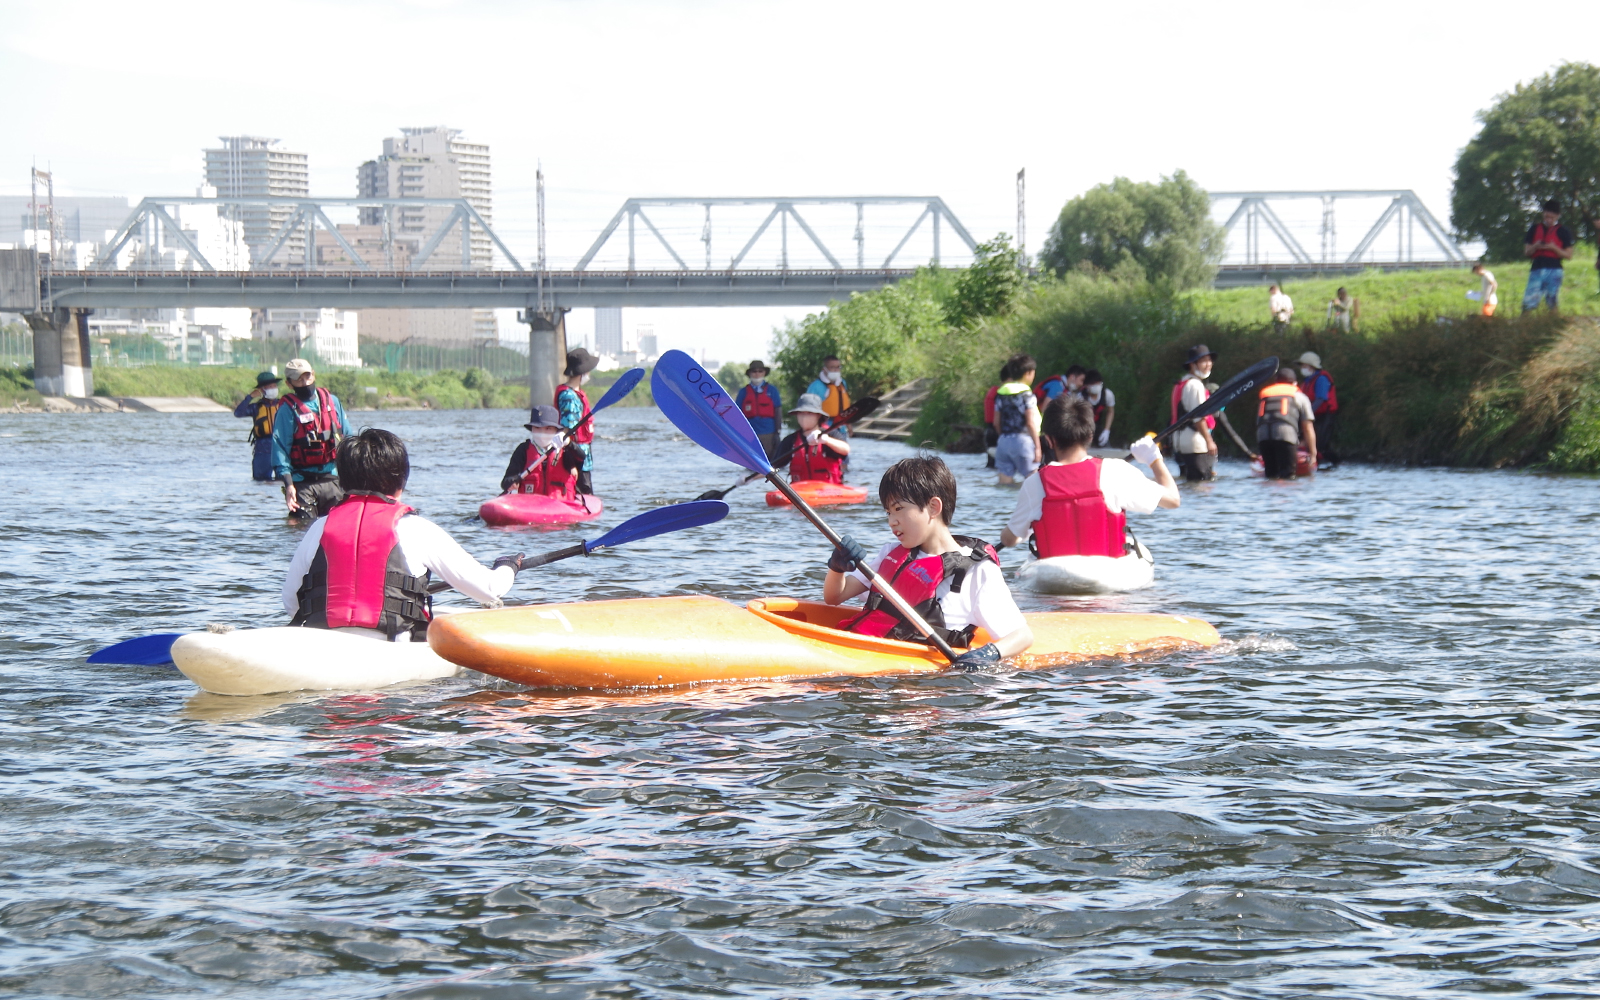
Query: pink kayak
(510,509)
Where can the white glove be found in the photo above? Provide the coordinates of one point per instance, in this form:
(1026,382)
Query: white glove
(1105,436)
(1146,451)
(812,437)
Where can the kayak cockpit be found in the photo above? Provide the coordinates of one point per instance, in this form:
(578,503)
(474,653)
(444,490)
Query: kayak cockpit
(815,620)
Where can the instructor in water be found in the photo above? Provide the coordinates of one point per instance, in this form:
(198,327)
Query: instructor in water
(260,405)
(305,440)
(365,567)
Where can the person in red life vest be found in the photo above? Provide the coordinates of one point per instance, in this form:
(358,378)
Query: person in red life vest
(818,455)
(1104,402)
(760,403)
(1548,243)
(991,437)
(540,464)
(1192,444)
(573,407)
(305,440)
(1077,505)
(953,581)
(1284,425)
(365,566)
(1318,386)
(1055,385)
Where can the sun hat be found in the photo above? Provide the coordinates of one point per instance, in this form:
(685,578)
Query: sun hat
(266,378)
(758,366)
(1197,352)
(297,367)
(1311,358)
(809,402)
(580,362)
(544,415)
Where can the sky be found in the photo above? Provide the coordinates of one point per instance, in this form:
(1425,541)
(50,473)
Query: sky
(616,98)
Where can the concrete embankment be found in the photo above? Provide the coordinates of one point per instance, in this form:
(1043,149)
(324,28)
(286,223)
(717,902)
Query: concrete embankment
(122,404)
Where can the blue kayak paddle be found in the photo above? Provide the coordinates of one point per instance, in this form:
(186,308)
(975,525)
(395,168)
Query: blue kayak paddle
(702,409)
(145,651)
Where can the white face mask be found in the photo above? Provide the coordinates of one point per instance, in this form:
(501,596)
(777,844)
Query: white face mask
(543,440)
(271,392)
(1093,393)
(584,379)
(833,378)
(1305,372)
(757,381)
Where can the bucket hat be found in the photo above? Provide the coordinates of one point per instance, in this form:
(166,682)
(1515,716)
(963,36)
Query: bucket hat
(809,402)
(1311,358)
(266,378)
(580,362)
(758,366)
(1197,352)
(543,416)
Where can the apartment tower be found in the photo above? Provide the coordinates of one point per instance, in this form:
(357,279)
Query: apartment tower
(248,166)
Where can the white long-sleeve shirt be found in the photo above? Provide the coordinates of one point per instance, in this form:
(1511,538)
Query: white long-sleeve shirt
(424,546)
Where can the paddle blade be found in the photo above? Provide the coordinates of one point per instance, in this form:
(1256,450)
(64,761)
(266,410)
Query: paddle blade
(145,651)
(619,389)
(702,409)
(862,407)
(1254,377)
(662,520)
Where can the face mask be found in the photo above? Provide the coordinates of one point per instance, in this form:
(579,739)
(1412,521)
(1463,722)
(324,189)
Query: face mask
(585,379)
(542,440)
(1305,372)
(833,378)
(757,382)
(303,391)
(1093,394)
(271,392)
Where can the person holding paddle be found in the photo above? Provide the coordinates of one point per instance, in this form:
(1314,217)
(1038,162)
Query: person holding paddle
(1192,445)
(816,455)
(540,464)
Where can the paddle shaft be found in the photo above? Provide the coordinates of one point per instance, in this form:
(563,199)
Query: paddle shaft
(878,583)
(1227,424)
(860,408)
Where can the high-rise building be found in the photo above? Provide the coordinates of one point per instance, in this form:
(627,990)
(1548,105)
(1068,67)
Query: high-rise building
(248,166)
(608,330)
(434,162)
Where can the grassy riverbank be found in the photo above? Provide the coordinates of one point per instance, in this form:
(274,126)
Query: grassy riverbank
(364,388)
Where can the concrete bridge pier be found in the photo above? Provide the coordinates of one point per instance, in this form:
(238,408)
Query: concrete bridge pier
(547,353)
(62,360)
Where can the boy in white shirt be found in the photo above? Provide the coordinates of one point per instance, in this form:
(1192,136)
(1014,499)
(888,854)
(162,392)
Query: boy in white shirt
(952,581)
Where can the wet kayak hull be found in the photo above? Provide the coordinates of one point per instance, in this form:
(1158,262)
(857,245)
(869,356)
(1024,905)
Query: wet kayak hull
(273,660)
(524,509)
(1302,464)
(819,494)
(670,641)
(1089,574)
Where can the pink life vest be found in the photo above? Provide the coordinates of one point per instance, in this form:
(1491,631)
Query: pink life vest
(918,580)
(1177,400)
(1073,519)
(358,577)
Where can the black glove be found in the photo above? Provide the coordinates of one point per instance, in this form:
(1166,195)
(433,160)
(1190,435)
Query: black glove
(977,659)
(846,555)
(515,562)
(572,458)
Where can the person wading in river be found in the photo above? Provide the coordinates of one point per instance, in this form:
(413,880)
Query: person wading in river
(261,405)
(573,406)
(1284,425)
(1192,445)
(1318,386)
(761,403)
(305,441)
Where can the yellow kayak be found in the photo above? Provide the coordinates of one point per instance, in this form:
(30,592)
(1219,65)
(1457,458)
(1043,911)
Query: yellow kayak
(668,641)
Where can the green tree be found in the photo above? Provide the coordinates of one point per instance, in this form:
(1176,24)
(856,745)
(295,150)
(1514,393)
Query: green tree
(1540,141)
(1164,230)
(990,286)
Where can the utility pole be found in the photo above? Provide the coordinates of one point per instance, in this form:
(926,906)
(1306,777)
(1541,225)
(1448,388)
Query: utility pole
(1022,217)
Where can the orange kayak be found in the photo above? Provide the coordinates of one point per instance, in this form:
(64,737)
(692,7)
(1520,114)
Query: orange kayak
(818,493)
(667,641)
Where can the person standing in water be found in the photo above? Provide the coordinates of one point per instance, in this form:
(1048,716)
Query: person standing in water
(1104,402)
(1193,445)
(1284,425)
(1016,420)
(573,407)
(261,405)
(760,402)
(305,441)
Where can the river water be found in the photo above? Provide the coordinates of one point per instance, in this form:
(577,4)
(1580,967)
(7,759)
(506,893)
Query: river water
(1384,784)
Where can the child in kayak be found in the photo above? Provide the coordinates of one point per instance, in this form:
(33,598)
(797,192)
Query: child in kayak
(365,566)
(1075,506)
(817,455)
(540,464)
(953,581)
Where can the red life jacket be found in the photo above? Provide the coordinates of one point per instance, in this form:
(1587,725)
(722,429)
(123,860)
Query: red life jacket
(316,440)
(1177,401)
(988,404)
(757,403)
(918,580)
(547,474)
(359,578)
(1547,234)
(1330,404)
(1073,520)
(1041,392)
(585,430)
(815,462)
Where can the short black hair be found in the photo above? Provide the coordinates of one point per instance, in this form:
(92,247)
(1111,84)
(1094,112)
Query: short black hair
(1287,374)
(917,481)
(1551,206)
(373,460)
(1075,370)
(831,357)
(1069,422)
(1092,376)
(1017,365)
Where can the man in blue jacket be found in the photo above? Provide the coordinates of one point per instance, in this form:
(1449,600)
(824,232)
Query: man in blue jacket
(305,441)
(761,404)
(261,405)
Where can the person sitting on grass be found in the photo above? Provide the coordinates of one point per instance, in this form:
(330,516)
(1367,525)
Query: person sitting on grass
(953,581)
(539,464)
(1077,505)
(365,566)
(818,455)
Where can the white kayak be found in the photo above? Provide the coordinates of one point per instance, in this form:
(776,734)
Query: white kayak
(1090,574)
(271,660)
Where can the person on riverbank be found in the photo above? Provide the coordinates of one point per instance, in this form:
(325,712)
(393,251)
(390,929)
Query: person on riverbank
(1284,425)
(1076,505)
(1016,421)
(1318,387)
(953,581)
(573,407)
(540,464)
(260,405)
(1548,243)
(1104,403)
(1192,445)
(1489,295)
(1282,309)
(1341,310)
(305,439)
(817,455)
(761,403)
(334,581)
